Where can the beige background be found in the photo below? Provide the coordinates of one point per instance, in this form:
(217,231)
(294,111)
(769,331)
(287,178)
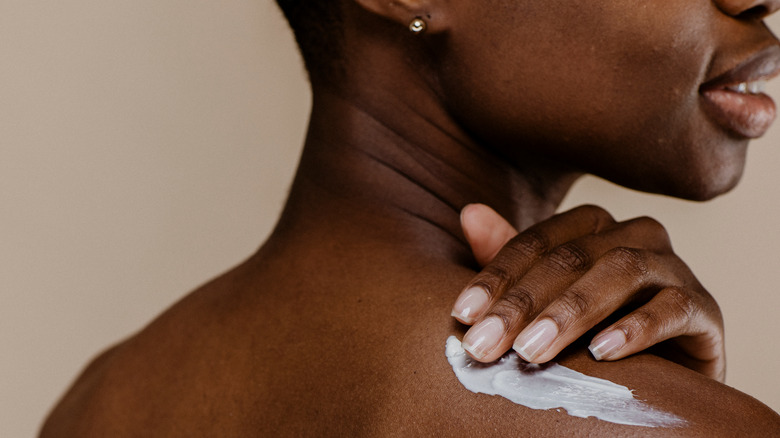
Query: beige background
(146,146)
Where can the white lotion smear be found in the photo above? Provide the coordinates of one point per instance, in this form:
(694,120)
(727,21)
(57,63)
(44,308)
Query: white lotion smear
(554,386)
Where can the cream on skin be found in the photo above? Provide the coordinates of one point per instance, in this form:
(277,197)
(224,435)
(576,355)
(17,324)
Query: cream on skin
(553,386)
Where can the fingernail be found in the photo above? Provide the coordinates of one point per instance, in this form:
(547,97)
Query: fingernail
(536,339)
(463,211)
(483,337)
(473,301)
(606,345)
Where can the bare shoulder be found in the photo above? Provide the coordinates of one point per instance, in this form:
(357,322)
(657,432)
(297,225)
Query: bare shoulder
(428,398)
(261,351)
(703,406)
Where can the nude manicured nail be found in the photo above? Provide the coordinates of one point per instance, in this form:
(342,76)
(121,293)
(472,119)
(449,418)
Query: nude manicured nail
(471,302)
(481,339)
(536,339)
(606,345)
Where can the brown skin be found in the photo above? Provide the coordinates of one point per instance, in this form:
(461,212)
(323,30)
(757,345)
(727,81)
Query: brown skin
(579,269)
(630,72)
(336,327)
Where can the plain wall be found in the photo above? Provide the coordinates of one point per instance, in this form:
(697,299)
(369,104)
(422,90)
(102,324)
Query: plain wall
(147,146)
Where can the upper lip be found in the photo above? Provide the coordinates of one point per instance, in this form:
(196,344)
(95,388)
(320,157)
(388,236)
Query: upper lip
(763,65)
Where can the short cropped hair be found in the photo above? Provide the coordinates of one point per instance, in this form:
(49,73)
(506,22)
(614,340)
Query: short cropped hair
(317,25)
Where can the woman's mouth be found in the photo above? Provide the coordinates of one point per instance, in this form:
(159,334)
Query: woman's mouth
(741,110)
(736,100)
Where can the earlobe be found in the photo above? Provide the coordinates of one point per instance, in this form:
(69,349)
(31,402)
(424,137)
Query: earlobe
(420,16)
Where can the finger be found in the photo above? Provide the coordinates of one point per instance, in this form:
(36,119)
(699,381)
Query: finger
(553,274)
(486,231)
(614,280)
(520,253)
(672,313)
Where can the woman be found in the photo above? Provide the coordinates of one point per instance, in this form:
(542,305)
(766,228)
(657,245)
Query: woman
(337,325)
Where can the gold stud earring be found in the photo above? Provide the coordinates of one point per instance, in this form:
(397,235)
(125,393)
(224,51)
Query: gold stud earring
(418,26)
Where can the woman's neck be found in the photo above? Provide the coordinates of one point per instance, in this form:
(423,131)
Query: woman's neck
(402,174)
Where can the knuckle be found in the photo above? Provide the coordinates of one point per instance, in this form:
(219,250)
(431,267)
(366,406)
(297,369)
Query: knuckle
(531,242)
(650,223)
(515,303)
(598,216)
(493,278)
(497,271)
(680,302)
(628,261)
(672,311)
(571,306)
(642,323)
(654,228)
(570,258)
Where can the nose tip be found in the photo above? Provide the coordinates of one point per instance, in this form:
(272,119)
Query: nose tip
(749,8)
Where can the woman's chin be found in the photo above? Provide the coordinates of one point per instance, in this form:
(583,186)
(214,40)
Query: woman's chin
(704,187)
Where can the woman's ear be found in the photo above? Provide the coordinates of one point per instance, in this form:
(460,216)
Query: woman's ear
(409,13)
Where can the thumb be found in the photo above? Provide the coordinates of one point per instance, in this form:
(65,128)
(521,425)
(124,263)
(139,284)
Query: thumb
(485,230)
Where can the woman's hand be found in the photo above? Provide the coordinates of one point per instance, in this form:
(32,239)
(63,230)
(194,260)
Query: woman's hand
(542,289)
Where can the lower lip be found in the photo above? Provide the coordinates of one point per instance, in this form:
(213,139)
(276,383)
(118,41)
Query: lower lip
(747,115)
